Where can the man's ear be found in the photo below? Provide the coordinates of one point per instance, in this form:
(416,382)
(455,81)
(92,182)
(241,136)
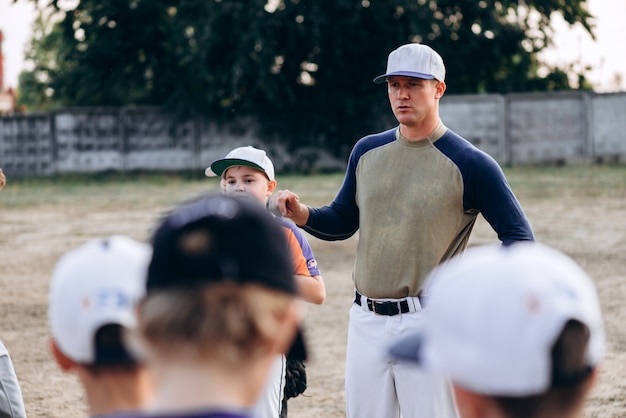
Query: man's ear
(440,89)
(65,363)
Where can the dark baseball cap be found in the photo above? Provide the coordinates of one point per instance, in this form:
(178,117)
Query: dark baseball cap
(220,238)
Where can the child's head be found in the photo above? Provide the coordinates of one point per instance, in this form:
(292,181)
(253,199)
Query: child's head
(92,298)
(220,285)
(228,323)
(245,170)
(528,338)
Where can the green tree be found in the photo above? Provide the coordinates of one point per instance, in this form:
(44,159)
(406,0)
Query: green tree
(302,68)
(46,42)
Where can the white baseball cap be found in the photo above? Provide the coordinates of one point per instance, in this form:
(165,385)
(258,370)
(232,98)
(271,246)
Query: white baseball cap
(494,314)
(414,60)
(94,285)
(249,156)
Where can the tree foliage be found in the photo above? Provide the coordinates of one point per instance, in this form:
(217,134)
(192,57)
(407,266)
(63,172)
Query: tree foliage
(34,85)
(302,68)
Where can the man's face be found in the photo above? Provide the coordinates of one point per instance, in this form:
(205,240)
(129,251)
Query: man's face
(243,179)
(413,99)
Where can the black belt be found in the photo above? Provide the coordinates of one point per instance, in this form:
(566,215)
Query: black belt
(387,308)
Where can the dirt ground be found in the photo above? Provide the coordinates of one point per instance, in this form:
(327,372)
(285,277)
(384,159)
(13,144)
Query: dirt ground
(592,231)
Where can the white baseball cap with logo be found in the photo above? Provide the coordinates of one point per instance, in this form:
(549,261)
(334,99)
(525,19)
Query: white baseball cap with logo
(493,315)
(414,60)
(94,285)
(248,156)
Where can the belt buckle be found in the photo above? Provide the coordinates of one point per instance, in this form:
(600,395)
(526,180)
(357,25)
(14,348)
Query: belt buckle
(392,307)
(371,305)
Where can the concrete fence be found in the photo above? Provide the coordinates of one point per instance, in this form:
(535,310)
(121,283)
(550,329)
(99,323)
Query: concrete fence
(542,128)
(515,129)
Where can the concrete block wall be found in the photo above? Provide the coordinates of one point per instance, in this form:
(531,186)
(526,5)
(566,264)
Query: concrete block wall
(533,128)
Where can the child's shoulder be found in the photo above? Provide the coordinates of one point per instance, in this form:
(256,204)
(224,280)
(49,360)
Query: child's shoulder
(291,228)
(286,223)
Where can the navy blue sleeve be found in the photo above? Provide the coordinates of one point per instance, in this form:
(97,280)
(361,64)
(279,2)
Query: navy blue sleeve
(340,219)
(486,190)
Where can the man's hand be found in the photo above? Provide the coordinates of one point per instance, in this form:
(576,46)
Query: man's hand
(287,204)
(3,179)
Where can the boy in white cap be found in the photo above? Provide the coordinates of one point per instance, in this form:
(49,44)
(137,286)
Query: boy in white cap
(413,192)
(518,331)
(248,170)
(93,293)
(220,305)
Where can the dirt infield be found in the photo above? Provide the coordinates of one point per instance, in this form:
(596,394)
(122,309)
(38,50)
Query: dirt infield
(581,211)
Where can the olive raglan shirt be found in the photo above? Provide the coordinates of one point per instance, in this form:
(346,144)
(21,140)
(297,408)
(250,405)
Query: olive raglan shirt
(415,204)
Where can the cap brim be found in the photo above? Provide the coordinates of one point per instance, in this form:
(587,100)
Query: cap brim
(383,78)
(218,167)
(298,349)
(408,348)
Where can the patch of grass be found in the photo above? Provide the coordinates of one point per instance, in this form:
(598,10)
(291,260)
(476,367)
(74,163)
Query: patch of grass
(314,190)
(106,190)
(101,189)
(584,181)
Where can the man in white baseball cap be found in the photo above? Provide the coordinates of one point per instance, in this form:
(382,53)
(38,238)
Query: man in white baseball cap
(518,331)
(93,292)
(413,192)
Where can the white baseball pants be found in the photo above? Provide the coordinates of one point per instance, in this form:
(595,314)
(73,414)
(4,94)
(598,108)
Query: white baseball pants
(378,387)
(269,403)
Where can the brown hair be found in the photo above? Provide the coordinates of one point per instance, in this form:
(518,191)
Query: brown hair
(228,321)
(570,378)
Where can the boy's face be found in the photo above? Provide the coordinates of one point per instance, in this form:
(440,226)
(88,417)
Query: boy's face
(244,179)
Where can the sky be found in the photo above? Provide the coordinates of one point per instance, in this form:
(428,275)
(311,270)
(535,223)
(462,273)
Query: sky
(571,45)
